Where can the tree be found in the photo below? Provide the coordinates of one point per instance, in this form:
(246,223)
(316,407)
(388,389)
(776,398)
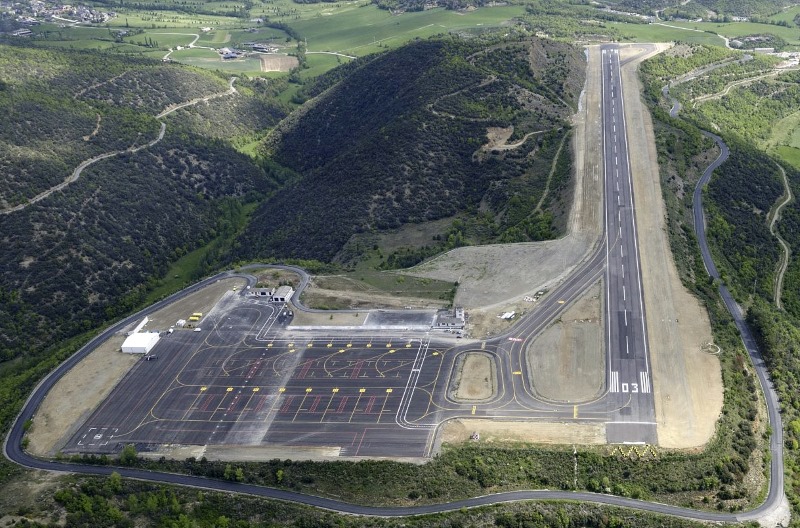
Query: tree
(115,482)
(128,455)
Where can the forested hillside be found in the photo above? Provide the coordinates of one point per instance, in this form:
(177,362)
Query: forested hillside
(399,140)
(746,8)
(739,203)
(62,108)
(87,253)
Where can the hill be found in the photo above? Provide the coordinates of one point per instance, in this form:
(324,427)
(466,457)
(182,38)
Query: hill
(91,251)
(701,8)
(403,139)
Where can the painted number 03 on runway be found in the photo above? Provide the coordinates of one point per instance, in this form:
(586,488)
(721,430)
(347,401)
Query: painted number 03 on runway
(641,385)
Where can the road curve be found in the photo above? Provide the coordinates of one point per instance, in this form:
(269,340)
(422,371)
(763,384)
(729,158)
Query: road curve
(12,445)
(773,410)
(787,252)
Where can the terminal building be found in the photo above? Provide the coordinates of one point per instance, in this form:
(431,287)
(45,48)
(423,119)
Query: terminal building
(283,294)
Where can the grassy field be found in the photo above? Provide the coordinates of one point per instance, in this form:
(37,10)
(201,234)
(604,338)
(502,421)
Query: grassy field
(658,33)
(288,11)
(790,155)
(352,28)
(164,38)
(369,29)
(170,19)
(211,61)
(738,29)
(787,15)
(318,64)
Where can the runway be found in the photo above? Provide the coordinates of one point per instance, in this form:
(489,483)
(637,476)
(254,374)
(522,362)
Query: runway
(628,355)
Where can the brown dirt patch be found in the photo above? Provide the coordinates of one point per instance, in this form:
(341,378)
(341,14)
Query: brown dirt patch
(87,384)
(459,431)
(30,494)
(272,278)
(476,378)
(566,362)
(496,136)
(76,395)
(338,299)
(500,275)
(279,63)
(687,382)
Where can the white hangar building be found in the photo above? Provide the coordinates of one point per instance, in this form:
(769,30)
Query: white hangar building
(140,342)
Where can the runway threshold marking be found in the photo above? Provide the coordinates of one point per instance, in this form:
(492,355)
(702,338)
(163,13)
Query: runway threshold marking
(614,381)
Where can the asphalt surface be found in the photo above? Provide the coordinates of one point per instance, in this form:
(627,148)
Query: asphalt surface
(409,413)
(628,354)
(244,380)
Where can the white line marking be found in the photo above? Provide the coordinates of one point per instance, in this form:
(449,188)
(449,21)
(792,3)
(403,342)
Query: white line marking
(623,271)
(623,293)
(618,202)
(645,382)
(626,316)
(614,375)
(627,348)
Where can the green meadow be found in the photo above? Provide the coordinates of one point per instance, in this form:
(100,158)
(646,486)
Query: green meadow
(739,29)
(368,29)
(659,33)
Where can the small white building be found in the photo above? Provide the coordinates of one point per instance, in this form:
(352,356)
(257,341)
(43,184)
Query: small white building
(283,294)
(140,343)
(451,319)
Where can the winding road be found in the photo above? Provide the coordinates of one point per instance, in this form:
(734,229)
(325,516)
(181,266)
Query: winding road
(787,252)
(589,271)
(91,161)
